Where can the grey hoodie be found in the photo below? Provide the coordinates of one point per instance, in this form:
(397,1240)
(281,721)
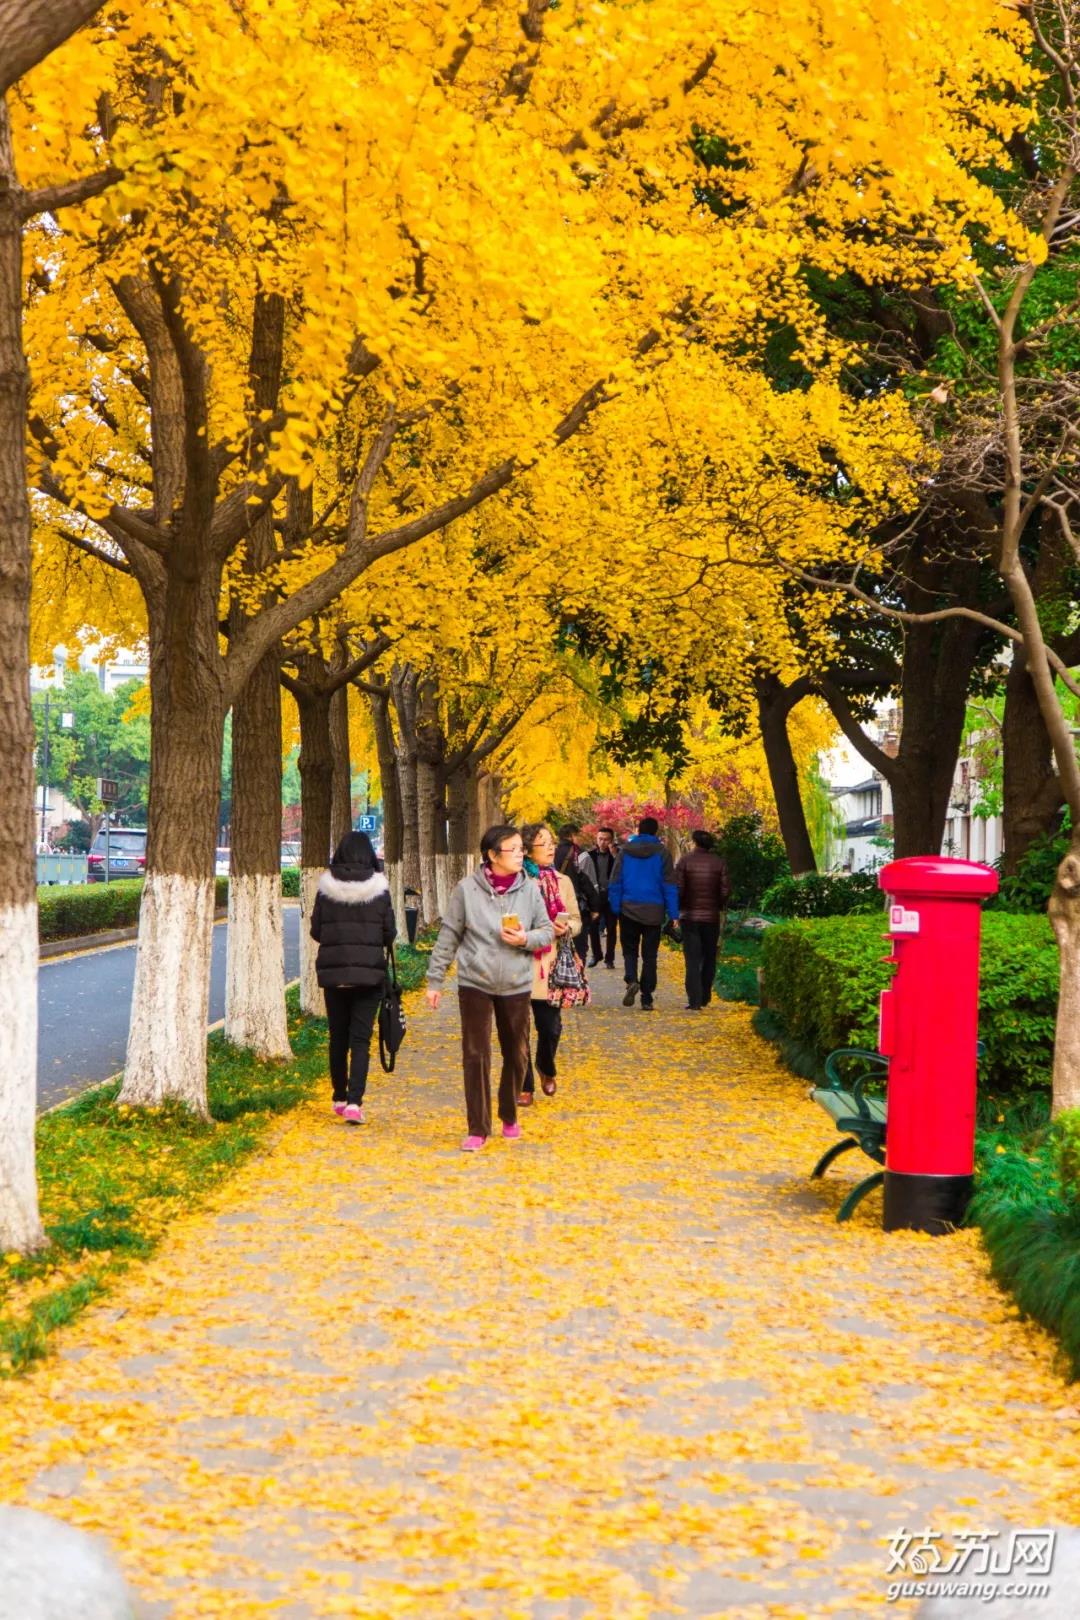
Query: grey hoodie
(472,930)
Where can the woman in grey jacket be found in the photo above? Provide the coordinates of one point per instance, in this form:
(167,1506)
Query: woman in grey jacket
(495,920)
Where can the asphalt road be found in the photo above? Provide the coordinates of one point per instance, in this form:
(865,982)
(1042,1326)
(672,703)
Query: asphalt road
(83,1005)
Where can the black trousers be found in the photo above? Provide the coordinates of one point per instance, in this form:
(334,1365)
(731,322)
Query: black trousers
(699,949)
(350,1012)
(643,937)
(548,1021)
(608,923)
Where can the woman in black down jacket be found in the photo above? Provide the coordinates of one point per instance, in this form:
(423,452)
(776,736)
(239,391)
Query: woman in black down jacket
(353,922)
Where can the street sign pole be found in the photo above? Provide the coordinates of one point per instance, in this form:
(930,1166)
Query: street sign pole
(108,793)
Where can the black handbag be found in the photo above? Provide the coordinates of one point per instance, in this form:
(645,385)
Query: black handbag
(391,1016)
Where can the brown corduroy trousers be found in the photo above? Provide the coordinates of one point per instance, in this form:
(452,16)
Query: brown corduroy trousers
(512,1025)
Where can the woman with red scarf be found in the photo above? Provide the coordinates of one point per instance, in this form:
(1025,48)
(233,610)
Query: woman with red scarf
(560,898)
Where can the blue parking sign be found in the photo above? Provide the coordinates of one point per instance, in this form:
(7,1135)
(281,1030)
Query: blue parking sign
(367,824)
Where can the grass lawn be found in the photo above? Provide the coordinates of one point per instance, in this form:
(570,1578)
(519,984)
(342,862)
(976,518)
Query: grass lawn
(112,1179)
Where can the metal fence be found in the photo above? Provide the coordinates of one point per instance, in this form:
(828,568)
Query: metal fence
(61,868)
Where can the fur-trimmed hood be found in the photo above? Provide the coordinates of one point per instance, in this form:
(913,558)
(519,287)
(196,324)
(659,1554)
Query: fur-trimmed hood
(353,891)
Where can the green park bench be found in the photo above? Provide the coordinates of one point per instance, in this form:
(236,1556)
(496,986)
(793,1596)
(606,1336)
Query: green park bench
(859,1117)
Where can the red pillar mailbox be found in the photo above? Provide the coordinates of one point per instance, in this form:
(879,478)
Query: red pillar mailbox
(929,1032)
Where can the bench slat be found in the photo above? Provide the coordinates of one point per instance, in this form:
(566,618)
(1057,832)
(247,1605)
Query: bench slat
(842,1105)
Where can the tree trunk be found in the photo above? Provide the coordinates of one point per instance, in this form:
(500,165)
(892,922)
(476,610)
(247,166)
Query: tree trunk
(429,754)
(391,797)
(920,795)
(20,1223)
(341,816)
(1065,921)
(937,668)
(31,29)
(166,1053)
(1031,788)
(316,785)
(391,800)
(774,708)
(255,975)
(460,787)
(403,684)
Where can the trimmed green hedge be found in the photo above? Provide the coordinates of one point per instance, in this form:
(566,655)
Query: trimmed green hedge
(818,895)
(290,882)
(1027,1204)
(70,911)
(823,980)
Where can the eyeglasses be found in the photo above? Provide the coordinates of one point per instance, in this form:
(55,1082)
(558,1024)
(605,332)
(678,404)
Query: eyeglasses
(510,849)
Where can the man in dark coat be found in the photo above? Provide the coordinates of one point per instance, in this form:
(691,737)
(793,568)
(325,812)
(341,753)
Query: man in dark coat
(353,921)
(702,880)
(572,861)
(642,891)
(601,868)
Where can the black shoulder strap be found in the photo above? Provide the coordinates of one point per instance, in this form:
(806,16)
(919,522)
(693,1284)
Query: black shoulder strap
(391,966)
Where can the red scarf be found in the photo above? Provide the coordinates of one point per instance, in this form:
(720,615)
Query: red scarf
(548,879)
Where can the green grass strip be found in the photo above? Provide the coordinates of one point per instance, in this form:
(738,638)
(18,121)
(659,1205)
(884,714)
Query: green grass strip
(113,1179)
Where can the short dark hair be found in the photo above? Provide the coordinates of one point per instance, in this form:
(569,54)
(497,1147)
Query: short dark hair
(494,837)
(648,825)
(610,830)
(703,839)
(569,829)
(531,832)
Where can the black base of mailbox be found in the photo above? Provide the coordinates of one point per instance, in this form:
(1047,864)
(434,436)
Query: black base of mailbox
(926,1203)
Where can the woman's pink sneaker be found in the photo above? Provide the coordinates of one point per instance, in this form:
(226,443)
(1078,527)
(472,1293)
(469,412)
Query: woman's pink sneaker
(353,1114)
(511,1133)
(339,1109)
(473,1144)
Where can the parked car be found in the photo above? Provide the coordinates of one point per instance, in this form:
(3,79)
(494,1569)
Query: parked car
(221,863)
(127,854)
(290,854)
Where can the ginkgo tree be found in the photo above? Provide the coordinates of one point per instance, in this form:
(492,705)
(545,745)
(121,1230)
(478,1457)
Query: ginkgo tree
(414,165)
(29,31)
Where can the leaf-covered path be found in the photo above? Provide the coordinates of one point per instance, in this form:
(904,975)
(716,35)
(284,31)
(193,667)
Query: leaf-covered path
(629,1366)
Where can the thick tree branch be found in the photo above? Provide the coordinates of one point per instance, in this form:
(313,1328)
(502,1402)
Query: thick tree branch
(845,719)
(277,619)
(80,543)
(66,195)
(30,29)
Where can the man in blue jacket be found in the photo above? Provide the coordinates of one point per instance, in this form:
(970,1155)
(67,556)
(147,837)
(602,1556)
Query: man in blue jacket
(641,892)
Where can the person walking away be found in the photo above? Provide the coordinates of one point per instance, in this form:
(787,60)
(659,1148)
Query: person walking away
(701,878)
(600,865)
(495,920)
(572,862)
(353,921)
(561,901)
(641,892)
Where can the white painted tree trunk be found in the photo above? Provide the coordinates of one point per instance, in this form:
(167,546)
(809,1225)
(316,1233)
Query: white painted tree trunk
(166,1050)
(311,997)
(255,969)
(20,1225)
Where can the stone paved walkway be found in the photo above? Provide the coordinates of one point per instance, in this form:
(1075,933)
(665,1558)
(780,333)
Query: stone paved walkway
(627,1367)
